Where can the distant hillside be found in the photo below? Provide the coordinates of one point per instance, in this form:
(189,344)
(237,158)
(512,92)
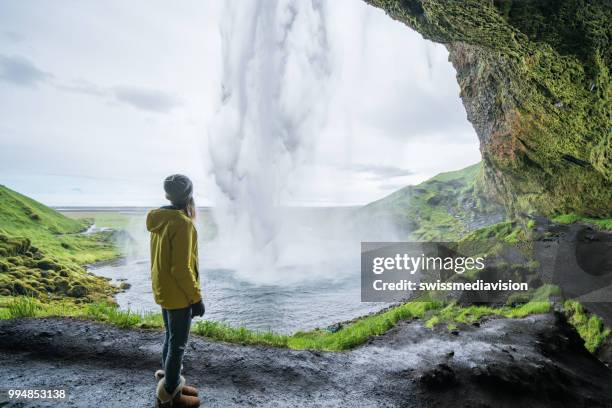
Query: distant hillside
(42,251)
(445,207)
(19,213)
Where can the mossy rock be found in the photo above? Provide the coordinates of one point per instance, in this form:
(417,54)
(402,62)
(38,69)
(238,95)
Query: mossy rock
(62,286)
(28,262)
(48,264)
(45,281)
(124,286)
(535,82)
(22,288)
(78,291)
(15,260)
(12,246)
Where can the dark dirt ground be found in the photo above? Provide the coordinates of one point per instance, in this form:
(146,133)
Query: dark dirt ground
(534,362)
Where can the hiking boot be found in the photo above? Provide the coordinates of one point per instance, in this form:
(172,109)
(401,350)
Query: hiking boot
(177,399)
(187,389)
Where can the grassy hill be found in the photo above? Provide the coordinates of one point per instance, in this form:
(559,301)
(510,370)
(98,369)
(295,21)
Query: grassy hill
(18,213)
(443,208)
(42,252)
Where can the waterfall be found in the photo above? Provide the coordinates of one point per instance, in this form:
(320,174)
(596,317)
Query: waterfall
(276,75)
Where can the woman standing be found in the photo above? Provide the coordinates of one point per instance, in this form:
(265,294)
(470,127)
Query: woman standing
(176,287)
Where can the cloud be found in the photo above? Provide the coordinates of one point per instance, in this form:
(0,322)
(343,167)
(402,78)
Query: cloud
(148,99)
(81,86)
(13,36)
(377,171)
(21,71)
(152,100)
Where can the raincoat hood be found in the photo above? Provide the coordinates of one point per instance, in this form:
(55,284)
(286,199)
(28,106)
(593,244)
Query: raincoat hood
(163,217)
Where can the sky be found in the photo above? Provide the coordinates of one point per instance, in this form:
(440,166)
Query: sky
(100,100)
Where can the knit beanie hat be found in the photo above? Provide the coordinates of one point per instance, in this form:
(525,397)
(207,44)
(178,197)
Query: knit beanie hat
(178,188)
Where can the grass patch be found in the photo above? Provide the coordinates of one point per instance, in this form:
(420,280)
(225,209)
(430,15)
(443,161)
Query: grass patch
(453,314)
(347,337)
(603,223)
(111,314)
(359,331)
(590,327)
(534,302)
(241,335)
(23,306)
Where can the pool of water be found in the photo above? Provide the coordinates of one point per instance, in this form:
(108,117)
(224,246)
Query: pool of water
(229,299)
(316,284)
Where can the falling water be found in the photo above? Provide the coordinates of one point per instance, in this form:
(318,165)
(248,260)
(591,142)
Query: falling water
(276,74)
(269,266)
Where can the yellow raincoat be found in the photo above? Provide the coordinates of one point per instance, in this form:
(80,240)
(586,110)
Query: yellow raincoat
(174,258)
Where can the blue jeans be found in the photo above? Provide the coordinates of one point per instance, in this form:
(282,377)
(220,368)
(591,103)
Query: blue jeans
(177,323)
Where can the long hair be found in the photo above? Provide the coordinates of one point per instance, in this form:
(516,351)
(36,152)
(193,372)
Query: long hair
(188,208)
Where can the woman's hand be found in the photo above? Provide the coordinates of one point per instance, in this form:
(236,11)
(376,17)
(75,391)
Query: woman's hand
(197,309)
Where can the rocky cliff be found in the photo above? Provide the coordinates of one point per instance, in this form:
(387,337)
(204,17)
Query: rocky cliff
(534,78)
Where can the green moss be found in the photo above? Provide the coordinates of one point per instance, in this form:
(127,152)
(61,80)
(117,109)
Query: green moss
(453,314)
(491,239)
(590,327)
(32,248)
(603,223)
(533,307)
